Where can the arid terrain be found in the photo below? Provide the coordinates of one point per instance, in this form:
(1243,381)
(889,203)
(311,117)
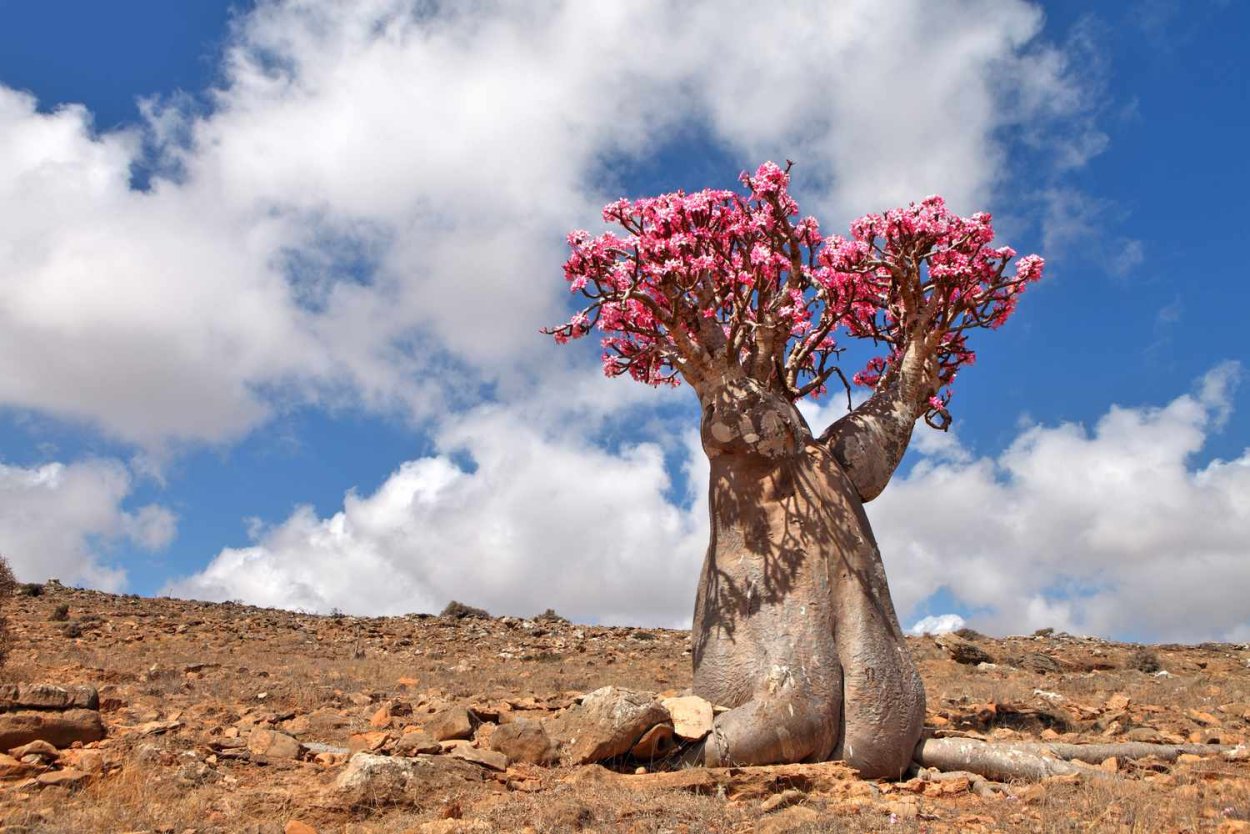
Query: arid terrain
(230,718)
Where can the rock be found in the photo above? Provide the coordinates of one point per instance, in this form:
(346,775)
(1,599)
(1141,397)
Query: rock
(607,723)
(1042,664)
(524,740)
(692,716)
(38,748)
(68,778)
(454,722)
(297,827)
(58,728)
(963,651)
(1240,753)
(367,742)
(273,744)
(655,743)
(1146,734)
(492,759)
(370,781)
(1117,702)
(42,696)
(410,744)
(84,759)
(11,768)
(376,780)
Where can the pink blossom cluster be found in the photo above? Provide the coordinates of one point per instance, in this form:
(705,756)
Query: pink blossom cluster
(718,277)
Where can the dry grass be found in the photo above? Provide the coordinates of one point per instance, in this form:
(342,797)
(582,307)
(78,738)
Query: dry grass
(223,668)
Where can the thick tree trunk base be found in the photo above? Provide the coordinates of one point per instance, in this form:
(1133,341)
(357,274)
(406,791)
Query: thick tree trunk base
(794,630)
(1032,761)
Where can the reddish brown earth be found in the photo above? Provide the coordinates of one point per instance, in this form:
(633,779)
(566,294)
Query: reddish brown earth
(214,714)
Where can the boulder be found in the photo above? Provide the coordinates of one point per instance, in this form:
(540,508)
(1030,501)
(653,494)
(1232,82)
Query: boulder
(12,768)
(410,744)
(606,724)
(486,758)
(370,781)
(524,740)
(963,651)
(273,745)
(692,716)
(39,748)
(57,728)
(453,722)
(68,778)
(43,696)
(655,743)
(1042,664)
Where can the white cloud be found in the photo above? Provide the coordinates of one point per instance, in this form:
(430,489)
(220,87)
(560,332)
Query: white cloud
(56,519)
(1077,226)
(1104,531)
(513,514)
(937,624)
(1108,532)
(372,211)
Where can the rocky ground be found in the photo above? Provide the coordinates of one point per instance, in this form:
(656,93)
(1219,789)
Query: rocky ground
(229,718)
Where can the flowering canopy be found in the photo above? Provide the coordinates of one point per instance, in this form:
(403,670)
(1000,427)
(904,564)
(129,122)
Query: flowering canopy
(700,283)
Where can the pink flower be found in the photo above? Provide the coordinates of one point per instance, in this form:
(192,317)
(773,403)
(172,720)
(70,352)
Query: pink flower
(684,258)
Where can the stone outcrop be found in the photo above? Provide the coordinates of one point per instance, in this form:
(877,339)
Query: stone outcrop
(606,724)
(56,714)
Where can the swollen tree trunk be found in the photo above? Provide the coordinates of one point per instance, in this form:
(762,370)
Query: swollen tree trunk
(794,628)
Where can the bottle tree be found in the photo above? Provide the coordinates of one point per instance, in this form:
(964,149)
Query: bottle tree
(745,301)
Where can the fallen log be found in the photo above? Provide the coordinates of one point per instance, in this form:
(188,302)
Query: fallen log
(1037,760)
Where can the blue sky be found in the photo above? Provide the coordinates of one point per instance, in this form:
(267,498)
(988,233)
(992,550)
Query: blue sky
(181,418)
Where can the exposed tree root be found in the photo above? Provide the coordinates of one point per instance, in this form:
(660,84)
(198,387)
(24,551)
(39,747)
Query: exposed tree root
(1032,761)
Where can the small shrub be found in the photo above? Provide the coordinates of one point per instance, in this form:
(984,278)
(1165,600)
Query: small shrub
(72,629)
(60,614)
(1144,660)
(30,589)
(460,611)
(7,585)
(550,616)
(1044,632)
(969,634)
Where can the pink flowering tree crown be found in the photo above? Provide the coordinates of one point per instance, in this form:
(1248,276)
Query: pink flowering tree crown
(717,284)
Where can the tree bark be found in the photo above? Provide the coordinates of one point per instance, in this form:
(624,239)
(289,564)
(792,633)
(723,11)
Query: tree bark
(794,628)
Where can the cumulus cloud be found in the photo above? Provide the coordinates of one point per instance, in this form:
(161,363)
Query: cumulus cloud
(58,521)
(513,514)
(937,624)
(1106,530)
(362,214)
(1109,531)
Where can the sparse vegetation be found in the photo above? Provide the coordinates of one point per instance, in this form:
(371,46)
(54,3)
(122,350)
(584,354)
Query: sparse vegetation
(59,614)
(178,677)
(7,585)
(1144,660)
(459,611)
